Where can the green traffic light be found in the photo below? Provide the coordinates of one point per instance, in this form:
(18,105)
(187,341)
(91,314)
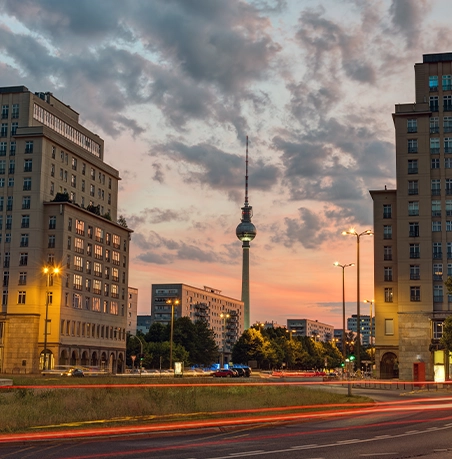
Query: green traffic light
(352,357)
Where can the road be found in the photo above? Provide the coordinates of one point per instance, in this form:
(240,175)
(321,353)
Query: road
(403,425)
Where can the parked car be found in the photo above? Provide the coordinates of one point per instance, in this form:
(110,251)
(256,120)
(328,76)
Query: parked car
(75,372)
(244,372)
(225,373)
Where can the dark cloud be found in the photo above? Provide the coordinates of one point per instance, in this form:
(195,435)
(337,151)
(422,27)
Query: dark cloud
(218,169)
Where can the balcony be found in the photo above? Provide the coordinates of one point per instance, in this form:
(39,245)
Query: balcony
(388,278)
(387,257)
(436,192)
(412,129)
(434,129)
(97,291)
(415,298)
(438,298)
(415,276)
(437,255)
(79,249)
(414,233)
(415,255)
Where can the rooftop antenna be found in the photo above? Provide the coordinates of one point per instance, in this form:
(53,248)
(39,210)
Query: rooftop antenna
(246,173)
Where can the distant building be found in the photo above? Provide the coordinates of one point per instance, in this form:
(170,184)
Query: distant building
(132,308)
(365,328)
(313,328)
(224,315)
(143,324)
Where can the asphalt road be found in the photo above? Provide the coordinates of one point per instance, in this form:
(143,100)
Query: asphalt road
(405,425)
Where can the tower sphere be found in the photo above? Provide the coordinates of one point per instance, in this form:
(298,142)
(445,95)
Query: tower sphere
(246,231)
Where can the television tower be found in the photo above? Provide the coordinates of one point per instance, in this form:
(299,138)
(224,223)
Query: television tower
(246,232)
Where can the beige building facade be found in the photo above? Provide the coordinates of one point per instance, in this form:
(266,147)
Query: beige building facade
(222,314)
(413,231)
(58,208)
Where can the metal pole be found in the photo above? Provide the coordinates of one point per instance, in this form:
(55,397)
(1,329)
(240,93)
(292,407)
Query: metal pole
(358,315)
(45,323)
(344,346)
(171,336)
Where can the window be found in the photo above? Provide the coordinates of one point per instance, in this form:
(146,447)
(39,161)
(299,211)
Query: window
(447,124)
(433,82)
(436,226)
(437,250)
(80,227)
(51,244)
(99,235)
(447,103)
(93,174)
(12,148)
(14,127)
(415,272)
(412,125)
(97,285)
(448,163)
(434,145)
(97,269)
(415,251)
(412,145)
(387,252)
(22,278)
(5,111)
(115,258)
(448,207)
(448,145)
(74,164)
(388,273)
(91,190)
(10,182)
(447,82)
(414,229)
(90,231)
(83,185)
(413,187)
(438,271)
(29,146)
(52,222)
(52,188)
(388,295)
(2,166)
(2,183)
(26,200)
(77,300)
(9,203)
(448,186)
(24,240)
(12,166)
(387,232)
(25,222)
(437,330)
(437,293)
(448,225)
(412,166)
(415,293)
(15,112)
(389,326)
(98,252)
(21,297)
(79,245)
(435,163)
(4,130)
(449,250)
(436,187)
(3,146)
(434,103)
(23,259)
(73,180)
(27,184)
(77,282)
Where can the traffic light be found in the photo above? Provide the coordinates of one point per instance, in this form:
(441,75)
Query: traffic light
(343,364)
(141,357)
(351,358)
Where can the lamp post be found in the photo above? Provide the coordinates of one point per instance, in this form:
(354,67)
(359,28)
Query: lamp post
(173,302)
(371,302)
(141,353)
(225,317)
(348,265)
(353,232)
(48,271)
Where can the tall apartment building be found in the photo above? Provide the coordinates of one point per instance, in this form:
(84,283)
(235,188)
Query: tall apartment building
(413,230)
(224,315)
(367,330)
(58,208)
(132,310)
(313,328)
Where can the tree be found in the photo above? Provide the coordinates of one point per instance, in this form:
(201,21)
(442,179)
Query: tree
(122,221)
(446,338)
(250,346)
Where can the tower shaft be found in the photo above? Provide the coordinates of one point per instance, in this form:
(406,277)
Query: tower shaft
(246,283)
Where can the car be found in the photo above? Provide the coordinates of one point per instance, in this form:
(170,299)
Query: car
(74,372)
(224,373)
(244,372)
(240,372)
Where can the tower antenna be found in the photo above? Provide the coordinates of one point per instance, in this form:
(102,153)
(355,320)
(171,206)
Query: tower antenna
(246,173)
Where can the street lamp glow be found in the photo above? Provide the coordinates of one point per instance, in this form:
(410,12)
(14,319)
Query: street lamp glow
(353,232)
(173,302)
(48,271)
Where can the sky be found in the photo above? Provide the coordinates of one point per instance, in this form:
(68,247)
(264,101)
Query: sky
(175,86)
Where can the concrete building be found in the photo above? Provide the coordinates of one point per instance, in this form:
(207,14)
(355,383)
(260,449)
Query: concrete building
(132,310)
(143,324)
(58,208)
(367,333)
(224,315)
(313,328)
(413,230)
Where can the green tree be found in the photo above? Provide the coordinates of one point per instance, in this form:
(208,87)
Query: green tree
(250,346)
(446,338)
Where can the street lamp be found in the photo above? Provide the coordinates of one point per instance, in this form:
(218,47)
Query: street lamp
(141,352)
(173,302)
(225,317)
(353,232)
(371,302)
(49,271)
(337,264)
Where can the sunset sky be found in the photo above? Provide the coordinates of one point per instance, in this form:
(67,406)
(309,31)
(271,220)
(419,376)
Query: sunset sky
(175,86)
